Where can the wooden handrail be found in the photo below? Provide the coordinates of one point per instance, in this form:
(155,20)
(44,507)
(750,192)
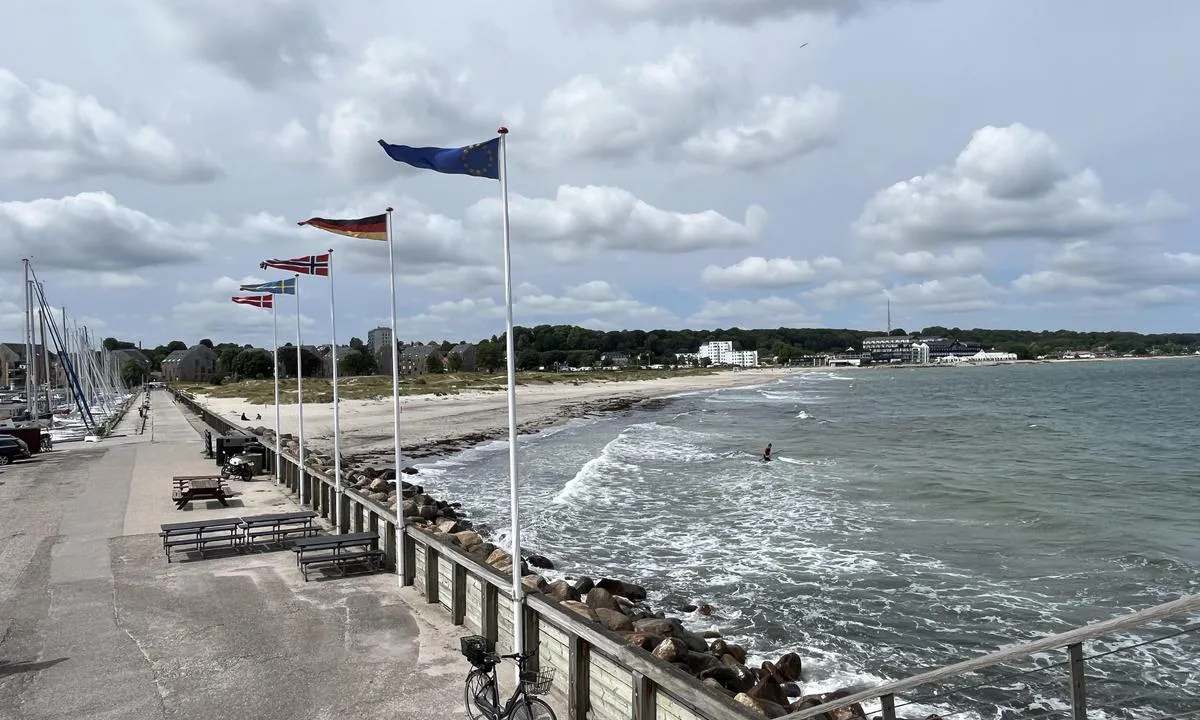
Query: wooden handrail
(1185,604)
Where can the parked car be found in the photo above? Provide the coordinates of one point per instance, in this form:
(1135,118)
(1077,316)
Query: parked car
(12,448)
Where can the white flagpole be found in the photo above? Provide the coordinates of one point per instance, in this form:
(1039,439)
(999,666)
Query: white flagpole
(300,391)
(517,589)
(275,355)
(401,521)
(337,433)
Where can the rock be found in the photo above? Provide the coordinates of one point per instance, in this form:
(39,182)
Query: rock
(643,640)
(768,689)
(534,583)
(423,499)
(381,498)
(705,609)
(737,651)
(562,590)
(409,471)
(584,584)
(499,555)
(622,588)
(466,538)
(687,608)
(370,472)
(388,474)
(539,561)
(671,650)
(448,526)
(612,619)
(850,712)
(378,485)
(791,689)
(427,512)
(698,662)
(656,626)
(710,634)
(598,597)
(726,677)
(789,668)
(694,642)
(751,704)
(582,610)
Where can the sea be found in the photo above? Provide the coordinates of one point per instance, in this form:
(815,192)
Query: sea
(912,518)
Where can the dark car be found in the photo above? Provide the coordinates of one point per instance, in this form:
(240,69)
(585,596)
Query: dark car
(12,448)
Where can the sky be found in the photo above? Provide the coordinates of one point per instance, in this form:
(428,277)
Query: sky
(698,164)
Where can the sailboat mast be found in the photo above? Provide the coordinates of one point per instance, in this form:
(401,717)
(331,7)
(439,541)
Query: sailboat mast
(29,362)
(45,351)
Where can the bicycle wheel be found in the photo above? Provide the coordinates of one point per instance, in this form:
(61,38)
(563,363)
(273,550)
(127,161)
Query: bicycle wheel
(477,684)
(532,709)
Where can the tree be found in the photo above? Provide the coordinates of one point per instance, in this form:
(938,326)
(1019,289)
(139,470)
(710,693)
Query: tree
(356,343)
(111,344)
(359,362)
(226,360)
(176,345)
(310,362)
(488,356)
(454,362)
(898,332)
(433,363)
(253,363)
(207,343)
(529,359)
(132,373)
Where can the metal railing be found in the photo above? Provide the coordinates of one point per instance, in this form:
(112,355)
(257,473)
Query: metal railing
(895,695)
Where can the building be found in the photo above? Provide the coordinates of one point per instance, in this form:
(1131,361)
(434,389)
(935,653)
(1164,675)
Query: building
(721,352)
(467,353)
(126,354)
(195,364)
(993,356)
(614,359)
(919,353)
(378,339)
(944,347)
(12,363)
(888,348)
(414,358)
(327,358)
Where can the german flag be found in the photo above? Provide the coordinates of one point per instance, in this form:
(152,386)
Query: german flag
(368,228)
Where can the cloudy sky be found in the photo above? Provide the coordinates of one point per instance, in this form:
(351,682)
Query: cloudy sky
(673,163)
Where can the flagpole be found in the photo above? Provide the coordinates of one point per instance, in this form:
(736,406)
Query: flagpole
(401,521)
(300,391)
(275,355)
(517,589)
(337,433)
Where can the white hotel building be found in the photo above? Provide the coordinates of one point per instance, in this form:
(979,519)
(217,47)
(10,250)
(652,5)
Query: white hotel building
(721,352)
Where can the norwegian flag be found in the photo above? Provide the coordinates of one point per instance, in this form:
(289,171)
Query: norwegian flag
(307,265)
(262,301)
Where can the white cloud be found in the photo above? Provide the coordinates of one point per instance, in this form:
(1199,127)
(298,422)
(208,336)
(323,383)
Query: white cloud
(678,109)
(582,221)
(263,44)
(768,312)
(292,138)
(952,294)
(455,278)
(104,280)
(835,292)
(1009,183)
(760,272)
(922,263)
(91,231)
(49,132)
(400,93)
(730,12)
(596,298)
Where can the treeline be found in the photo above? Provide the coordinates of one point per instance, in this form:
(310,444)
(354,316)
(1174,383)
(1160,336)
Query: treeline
(545,345)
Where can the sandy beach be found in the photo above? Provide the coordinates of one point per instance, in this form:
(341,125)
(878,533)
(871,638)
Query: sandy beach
(438,425)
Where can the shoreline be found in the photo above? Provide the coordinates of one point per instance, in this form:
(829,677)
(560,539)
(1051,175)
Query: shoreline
(433,426)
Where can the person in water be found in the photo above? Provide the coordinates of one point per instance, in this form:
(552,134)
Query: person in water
(767,453)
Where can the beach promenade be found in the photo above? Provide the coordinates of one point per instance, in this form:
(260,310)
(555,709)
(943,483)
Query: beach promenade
(94,623)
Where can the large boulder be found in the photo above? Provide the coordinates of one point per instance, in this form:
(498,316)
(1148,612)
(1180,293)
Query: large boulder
(622,588)
(539,561)
(613,620)
(789,667)
(665,627)
(468,539)
(449,526)
(582,610)
(671,650)
(534,583)
(600,598)
(726,677)
(584,584)
(379,485)
(562,590)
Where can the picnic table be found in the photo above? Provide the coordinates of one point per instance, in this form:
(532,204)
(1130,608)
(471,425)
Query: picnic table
(338,551)
(186,488)
(277,527)
(199,533)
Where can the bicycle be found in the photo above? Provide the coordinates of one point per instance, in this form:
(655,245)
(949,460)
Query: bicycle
(482,692)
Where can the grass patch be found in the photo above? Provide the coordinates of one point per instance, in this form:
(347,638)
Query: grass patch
(320,390)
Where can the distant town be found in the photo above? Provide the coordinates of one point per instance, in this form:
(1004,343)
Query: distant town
(568,348)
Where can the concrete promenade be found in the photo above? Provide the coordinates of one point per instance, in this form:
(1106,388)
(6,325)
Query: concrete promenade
(94,623)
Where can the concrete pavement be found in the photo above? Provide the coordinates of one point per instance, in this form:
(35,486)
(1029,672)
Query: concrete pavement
(94,623)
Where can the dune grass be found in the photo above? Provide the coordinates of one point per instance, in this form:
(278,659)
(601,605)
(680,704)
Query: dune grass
(320,390)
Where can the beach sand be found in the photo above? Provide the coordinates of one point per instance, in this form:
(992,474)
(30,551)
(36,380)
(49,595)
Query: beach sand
(433,425)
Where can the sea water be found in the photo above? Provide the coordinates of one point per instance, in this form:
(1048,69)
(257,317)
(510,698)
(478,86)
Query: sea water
(912,518)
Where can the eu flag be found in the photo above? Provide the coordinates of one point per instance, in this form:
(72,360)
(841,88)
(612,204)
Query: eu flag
(481,159)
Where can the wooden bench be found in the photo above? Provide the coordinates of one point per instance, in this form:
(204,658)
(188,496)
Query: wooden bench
(338,551)
(275,528)
(198,534)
